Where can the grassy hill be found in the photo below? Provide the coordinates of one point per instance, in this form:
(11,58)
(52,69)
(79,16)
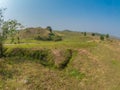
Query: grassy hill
(33,32)
(38,33)
(77,62)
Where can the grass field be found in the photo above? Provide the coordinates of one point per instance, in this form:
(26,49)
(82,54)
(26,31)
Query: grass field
(95,65)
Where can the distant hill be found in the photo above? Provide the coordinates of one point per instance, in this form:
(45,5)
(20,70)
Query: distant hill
(39,34)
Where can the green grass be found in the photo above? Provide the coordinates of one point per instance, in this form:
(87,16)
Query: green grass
(51,44)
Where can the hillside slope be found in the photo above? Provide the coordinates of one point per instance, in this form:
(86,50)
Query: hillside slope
(44,34)
(94,65)
(33,32)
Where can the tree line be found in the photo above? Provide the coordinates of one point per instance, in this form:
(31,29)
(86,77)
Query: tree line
(102,36)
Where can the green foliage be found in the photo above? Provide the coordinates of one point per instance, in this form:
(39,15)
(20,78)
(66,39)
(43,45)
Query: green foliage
(1,32)
(18,39)
(107,36)
(85,34)
(12,40)
(57,38)
(1,16)
(43,38)
(49,28)
(50,37)
(1,49)
(44,56)
(54,37)
(93,34)
(76,73)
(10,29)
(102,37)
(13,52)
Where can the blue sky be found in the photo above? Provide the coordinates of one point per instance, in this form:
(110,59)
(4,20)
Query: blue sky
(80,15)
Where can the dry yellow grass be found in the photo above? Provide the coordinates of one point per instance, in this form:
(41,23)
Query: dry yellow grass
(95,65)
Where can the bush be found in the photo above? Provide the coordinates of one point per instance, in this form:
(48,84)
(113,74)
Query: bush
(44,38)
(57,38)
(51,37)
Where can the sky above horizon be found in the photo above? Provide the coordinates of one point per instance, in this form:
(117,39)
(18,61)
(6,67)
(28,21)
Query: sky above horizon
(101,16)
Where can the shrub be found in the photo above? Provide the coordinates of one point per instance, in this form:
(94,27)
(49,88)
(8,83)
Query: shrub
(44,38)
(57,38)
(51,37)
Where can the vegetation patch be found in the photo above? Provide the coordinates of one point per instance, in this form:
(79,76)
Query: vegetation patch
(6,71)
(76,73)
(49,37)
(44,56)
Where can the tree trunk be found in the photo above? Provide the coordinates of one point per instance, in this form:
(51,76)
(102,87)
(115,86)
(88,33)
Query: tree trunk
(1,49)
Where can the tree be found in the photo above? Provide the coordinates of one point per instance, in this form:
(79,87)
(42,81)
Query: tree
(107,36)
(102,37)
(5,29)
(93,34)
(10,28)
(49,28)
(85,33)
(18,37)
(1,32)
